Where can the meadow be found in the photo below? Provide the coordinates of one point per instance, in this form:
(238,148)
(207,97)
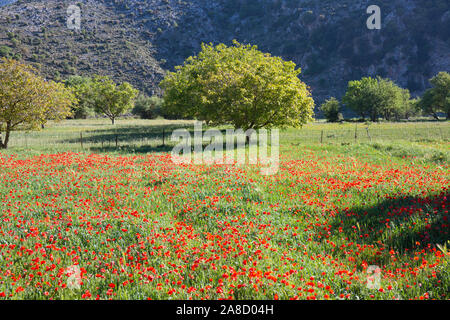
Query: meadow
(94,211)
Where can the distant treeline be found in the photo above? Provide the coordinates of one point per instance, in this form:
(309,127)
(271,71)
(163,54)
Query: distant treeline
(376,98)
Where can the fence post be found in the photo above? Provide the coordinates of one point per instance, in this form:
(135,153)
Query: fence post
(163,137)
(368,134)
(81,139)
(117,141)
(321,137)
(356,132)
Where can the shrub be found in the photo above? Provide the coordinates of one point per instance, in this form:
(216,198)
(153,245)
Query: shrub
(330,109)
(147,107)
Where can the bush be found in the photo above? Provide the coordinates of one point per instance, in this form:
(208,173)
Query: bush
(147,107)
(5,51)
(330,109)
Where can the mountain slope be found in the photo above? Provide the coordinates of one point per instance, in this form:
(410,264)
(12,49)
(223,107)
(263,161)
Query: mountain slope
(135,40)
(36,31)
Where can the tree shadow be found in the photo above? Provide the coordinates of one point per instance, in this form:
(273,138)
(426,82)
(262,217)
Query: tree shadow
(402,223)
(125,134)
(141,139)
(127,149)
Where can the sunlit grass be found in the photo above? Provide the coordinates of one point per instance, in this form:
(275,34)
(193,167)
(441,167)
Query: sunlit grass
(139,226)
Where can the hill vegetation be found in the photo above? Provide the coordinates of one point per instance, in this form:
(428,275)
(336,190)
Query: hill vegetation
(135,41)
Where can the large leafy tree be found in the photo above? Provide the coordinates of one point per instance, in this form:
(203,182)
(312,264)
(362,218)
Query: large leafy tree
(437,98)
(28,101)
(238,85)
(111,99)
(375,97)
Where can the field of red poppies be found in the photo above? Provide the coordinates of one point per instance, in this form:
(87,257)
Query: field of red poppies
(329,225)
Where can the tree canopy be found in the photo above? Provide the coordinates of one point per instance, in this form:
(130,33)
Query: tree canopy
(330,109)
(28,101)
(109,98)
(238,85)
(82,89)
(437,98)
(376,97)
(147,107)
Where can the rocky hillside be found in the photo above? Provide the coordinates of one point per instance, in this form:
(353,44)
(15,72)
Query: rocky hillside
(136,40)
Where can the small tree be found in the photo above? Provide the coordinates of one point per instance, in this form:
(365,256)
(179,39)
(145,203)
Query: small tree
(374,98)
(238,85)
(110,99)
(147,107)
(330,109)
(406,107)
(82,88)
(437,98)
(59,101)
(27,101)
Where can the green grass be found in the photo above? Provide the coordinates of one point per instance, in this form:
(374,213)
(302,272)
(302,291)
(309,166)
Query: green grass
(135,135)
(129,217)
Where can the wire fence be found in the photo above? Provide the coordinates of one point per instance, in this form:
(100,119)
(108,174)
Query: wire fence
(160,138)
(367,134)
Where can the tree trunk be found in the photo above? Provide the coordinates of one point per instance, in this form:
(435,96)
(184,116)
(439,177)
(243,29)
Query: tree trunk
(4,144)
(435,116)
(113,121)
(248,137)
(373,118)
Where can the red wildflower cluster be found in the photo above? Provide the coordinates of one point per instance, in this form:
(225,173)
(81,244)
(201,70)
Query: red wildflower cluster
(142,227)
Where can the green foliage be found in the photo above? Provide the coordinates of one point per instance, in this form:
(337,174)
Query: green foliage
(373,98)
(330,109)
(437,98)
(406,107)
(81,86)
(27,101)
(5,51)
(238,85)
(101,95)
(147,107)
(110,99)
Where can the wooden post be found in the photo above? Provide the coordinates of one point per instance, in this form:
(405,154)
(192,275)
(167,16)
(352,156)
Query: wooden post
(163,137)
(368,134)
(81,139)
(321,137)
(117,141)
(356,132)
